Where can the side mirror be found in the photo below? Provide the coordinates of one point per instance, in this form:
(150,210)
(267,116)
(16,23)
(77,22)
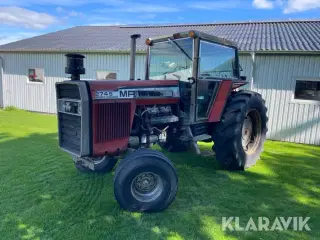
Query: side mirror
(244,78)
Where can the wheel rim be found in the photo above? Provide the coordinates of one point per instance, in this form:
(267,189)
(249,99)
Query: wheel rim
(251,132)
(146,187)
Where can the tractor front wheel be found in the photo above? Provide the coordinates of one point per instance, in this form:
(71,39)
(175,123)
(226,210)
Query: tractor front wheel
(102,164)
(145,181)
(241,133)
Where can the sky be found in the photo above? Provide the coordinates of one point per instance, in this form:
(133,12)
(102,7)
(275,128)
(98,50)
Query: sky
(27,18)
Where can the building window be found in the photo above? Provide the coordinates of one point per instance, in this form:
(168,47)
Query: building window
(106,75)
(36,75)
(307,90)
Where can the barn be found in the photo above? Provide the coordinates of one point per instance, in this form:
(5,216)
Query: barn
(280,59)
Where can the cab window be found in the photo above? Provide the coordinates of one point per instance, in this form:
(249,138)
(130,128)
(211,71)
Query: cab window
(216,61)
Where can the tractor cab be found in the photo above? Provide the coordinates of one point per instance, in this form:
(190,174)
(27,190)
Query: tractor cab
(201,62)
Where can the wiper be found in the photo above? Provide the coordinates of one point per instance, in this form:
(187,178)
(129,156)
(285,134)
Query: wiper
(180,48)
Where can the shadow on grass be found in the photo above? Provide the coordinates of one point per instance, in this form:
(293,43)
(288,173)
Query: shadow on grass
(43,195)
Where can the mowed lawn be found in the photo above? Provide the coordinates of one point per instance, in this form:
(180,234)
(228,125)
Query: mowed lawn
(43,196)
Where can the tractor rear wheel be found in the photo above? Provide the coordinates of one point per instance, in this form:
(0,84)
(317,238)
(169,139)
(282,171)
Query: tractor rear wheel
(101,164)
(145,181)
(240,135)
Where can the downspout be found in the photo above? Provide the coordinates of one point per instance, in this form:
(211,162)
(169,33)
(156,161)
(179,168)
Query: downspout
(253,54)
(1,78)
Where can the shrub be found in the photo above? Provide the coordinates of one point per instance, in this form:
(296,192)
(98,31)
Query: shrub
(10,108)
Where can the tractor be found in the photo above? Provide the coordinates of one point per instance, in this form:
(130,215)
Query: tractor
(191,93)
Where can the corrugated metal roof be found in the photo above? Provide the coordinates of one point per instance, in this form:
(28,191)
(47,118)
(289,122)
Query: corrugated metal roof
(250,36)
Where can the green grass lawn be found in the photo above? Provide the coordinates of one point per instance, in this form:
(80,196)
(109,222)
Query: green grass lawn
(43,196)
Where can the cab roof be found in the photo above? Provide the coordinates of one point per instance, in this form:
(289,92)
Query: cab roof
(193,34)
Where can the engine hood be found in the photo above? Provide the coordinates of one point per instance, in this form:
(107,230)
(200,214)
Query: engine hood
(137,89)
(115,84)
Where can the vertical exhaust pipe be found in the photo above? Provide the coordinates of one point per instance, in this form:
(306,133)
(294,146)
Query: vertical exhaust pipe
(133,55)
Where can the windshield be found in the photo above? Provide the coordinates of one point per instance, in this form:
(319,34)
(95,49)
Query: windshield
(171,60)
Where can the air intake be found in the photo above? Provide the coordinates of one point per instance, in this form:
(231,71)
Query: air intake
(75,66)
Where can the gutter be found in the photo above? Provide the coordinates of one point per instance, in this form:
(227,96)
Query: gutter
(300,52)
(266,52)
(70,51)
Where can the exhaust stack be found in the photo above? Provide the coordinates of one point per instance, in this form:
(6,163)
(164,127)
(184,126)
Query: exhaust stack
(133,55)
(75,66)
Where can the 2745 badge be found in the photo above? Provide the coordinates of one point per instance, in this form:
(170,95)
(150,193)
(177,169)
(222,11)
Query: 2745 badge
(106,94)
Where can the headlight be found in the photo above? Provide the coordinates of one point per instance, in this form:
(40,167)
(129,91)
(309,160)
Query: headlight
(70,107)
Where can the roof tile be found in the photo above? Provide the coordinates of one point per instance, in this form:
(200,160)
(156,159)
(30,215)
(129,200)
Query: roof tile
(250,36)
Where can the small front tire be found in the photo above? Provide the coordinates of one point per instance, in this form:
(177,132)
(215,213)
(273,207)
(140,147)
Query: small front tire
(146,181)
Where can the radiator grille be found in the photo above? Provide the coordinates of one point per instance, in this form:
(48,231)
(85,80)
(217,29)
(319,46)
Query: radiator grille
(113,121)
(70,91)
(70,132)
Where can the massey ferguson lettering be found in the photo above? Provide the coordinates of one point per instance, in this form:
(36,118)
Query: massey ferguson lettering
(139,93)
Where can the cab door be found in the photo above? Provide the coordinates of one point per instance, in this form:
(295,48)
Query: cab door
(216,64)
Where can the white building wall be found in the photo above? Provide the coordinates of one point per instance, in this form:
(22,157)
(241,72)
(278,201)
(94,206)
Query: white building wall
(273,76)
(289,119)
(40,97)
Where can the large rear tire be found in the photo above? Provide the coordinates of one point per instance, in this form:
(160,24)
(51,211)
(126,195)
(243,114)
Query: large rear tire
(240,135)
(145,181)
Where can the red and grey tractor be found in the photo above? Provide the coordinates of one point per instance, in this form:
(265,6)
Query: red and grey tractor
(191,93)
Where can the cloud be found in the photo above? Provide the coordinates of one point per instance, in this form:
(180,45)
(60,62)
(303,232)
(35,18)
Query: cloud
(217,5)
(147,16)
(75,14)
(263,4)
(117,5)
(152,8)
(60,9)
(12,37)
(288,6)
(17,16)
(64,3)
(139,8)
(293,6)
(67,13)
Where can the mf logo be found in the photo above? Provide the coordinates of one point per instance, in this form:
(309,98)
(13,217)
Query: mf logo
(266,224)
(127,94)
